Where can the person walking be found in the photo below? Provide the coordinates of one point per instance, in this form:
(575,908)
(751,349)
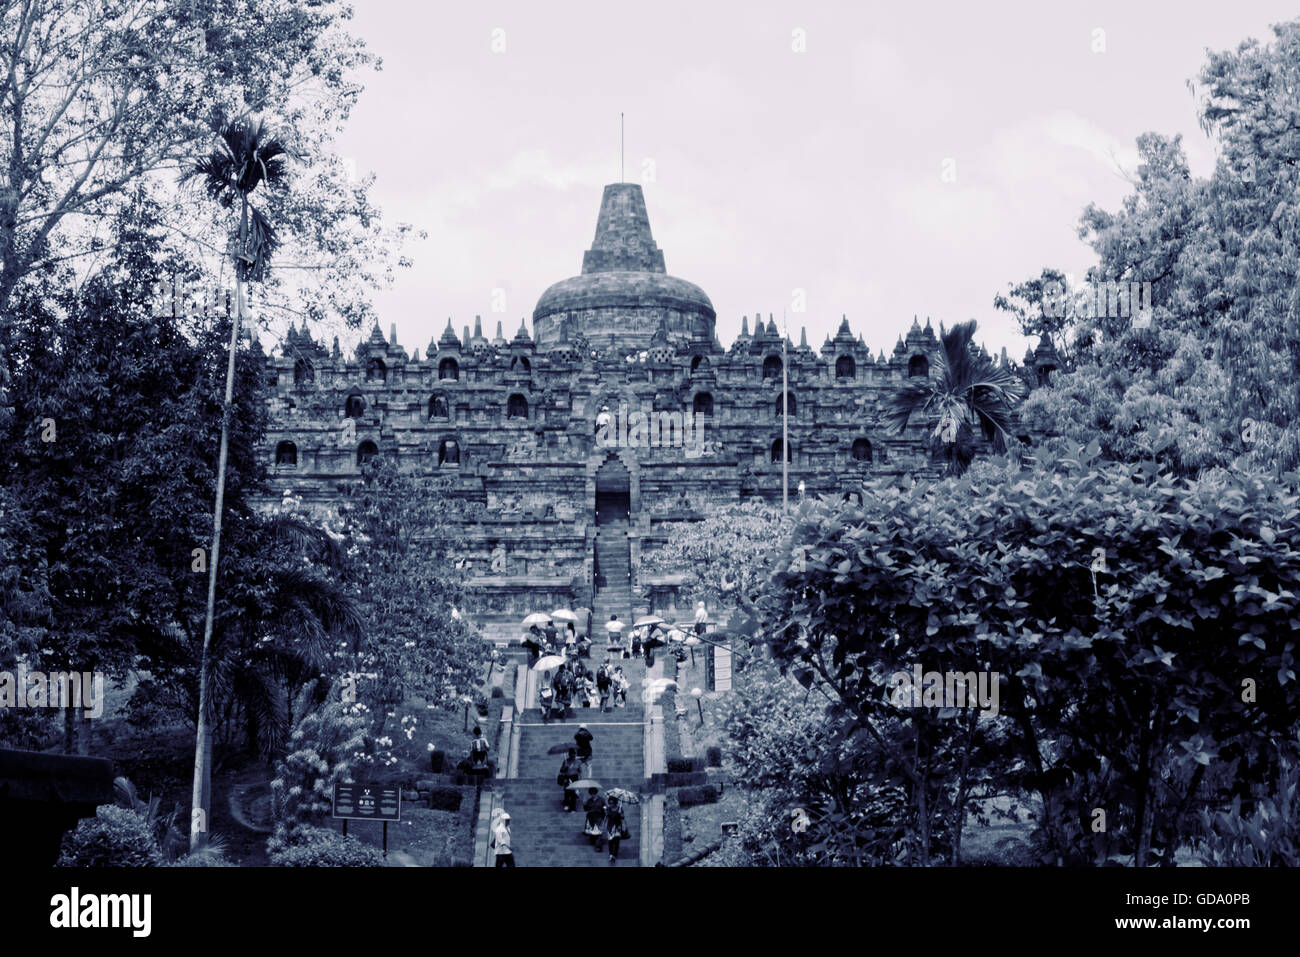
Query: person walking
(595,809)
(621,684)
(563,690)
(701,618)
(552,635)
(501,842)
(478,749)
(583,737)
(546,700)
(603,685)
(615,829)
(570,771)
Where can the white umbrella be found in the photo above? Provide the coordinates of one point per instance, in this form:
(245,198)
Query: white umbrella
(614,626)
(563,614)
(547,662)
(676,635)
(537,618)
(649,620)
(692,640)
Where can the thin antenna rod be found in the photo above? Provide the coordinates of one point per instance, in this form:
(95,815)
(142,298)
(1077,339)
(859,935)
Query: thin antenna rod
(620,149)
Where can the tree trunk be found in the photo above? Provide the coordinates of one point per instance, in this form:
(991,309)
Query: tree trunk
(963,782)
(1145,796)
(69,729)
(203,735)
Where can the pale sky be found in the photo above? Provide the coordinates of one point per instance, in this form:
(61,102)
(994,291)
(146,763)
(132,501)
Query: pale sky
(768,170)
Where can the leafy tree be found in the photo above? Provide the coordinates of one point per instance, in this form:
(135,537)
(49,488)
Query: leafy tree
(1140,626)
(726,557)
(399,533)
(1213,381)
(1047,308)
(101,101)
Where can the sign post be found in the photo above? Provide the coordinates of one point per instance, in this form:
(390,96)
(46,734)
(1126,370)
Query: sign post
(368,802)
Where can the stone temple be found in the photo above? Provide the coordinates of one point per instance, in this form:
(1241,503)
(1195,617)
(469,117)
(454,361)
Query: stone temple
(572,445)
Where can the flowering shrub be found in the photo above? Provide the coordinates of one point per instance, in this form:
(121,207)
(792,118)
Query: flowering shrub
(326,742)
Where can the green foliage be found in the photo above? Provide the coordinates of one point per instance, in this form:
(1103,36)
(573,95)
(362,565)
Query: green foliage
(1215,378)
(211,854)
(162,826)
(150,79)
(792,757)
(326,743)
(1118,678)
(321,847)
(1269,837)
(726,558)
(398,534)
(114,837)
(965,391)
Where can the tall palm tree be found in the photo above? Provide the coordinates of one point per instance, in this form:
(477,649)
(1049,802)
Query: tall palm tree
(246,157)
(964,389)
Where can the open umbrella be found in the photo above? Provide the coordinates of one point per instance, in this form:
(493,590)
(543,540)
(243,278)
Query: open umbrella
(623,795)
(614,626)
(547,662)
(649,620)
(563,614)
(583,784)
(676,635)
(537,618)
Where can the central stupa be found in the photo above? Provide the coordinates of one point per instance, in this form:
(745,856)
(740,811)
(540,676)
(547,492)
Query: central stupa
(624,293)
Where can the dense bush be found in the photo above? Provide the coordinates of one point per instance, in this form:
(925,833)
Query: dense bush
(1140,628)
(704,794)
(319,847)
(683,765)
(445,799)
(498,691)
(713,757)
(1269,837)
(114,837)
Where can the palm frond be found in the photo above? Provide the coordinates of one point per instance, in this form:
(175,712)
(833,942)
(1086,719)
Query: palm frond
(911,398)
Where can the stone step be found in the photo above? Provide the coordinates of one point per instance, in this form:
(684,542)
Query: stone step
(544,835)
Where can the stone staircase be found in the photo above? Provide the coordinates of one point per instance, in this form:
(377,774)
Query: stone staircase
(613,594)
(544,834)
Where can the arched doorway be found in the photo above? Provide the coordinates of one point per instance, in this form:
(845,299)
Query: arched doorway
(613,492)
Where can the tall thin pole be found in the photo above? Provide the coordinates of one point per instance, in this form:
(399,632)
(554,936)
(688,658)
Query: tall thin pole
(785,424)
(620,148)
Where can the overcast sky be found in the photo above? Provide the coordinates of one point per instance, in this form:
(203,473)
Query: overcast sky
(768,170)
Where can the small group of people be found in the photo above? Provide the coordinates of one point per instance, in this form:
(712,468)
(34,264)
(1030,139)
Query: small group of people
(573,683)
(550,641)
(605,822)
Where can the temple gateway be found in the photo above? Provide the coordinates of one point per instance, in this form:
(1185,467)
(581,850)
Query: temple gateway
(548,434)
